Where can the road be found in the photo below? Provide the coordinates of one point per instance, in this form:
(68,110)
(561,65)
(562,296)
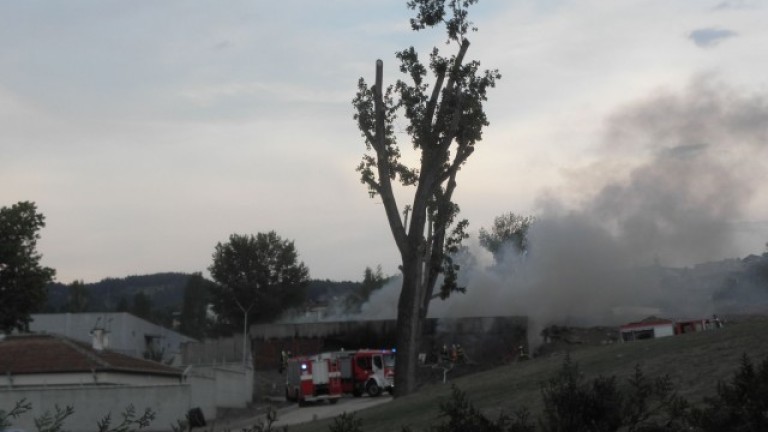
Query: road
(293,415)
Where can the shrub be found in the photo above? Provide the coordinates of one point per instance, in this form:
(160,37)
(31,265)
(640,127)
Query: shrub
(574,405)
(741,405)
(346,423)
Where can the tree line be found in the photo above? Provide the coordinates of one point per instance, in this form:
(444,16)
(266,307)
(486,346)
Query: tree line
(259,272)
(254,278)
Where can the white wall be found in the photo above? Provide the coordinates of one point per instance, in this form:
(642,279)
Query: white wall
(170,402)
(663,330)
(84,378)
(222,386)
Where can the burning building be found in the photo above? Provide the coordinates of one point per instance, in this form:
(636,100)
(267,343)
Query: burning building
(485,340)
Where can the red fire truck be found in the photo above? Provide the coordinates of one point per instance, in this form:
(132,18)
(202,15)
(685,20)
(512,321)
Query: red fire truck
(313,378)
(367,371)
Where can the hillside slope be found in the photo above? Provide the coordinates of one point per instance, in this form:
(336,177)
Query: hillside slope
(695,362)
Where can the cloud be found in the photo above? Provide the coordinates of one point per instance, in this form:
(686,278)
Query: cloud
(735,4)
(709,37)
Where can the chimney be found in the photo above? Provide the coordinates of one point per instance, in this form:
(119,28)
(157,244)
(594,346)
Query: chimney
(100,339)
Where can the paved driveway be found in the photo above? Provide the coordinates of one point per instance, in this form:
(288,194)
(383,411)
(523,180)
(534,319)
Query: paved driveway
(293,415)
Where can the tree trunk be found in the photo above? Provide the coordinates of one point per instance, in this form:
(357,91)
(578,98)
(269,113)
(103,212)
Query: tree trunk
(408,329)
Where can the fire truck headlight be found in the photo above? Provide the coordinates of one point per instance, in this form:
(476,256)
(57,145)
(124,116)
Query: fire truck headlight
(303,366)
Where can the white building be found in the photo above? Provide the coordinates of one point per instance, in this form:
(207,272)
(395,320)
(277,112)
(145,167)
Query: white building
(649,328)
(49,370)
(119,331)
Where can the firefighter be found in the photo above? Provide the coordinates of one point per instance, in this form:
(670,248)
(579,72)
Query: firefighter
(718,323)
(444,354)
(283,361)
(523,354)
(460,354)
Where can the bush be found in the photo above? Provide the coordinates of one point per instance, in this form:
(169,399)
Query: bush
(573,405)
(741,405)
(346,423)
(54,422)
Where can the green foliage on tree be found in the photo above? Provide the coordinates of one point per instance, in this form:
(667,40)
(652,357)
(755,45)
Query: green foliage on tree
(22,279)
(444,120)
(194,319)
(77,297)
(508,229)
(258,275)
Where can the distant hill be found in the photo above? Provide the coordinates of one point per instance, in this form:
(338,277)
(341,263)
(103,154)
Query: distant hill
(166,292)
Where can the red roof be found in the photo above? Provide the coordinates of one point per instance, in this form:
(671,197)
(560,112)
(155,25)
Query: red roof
(648,322)
(43,353)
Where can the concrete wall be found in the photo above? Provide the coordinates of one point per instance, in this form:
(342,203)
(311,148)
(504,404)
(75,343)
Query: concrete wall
(128,334)
(205,387)
(220,386)
(8,381)
(91,404)
(214,351)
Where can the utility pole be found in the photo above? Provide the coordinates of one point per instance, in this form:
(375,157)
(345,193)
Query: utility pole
(245,327)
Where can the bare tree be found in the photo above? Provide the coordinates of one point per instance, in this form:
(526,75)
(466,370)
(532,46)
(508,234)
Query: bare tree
(445,120)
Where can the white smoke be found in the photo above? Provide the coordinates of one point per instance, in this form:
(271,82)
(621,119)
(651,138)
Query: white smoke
(691,162)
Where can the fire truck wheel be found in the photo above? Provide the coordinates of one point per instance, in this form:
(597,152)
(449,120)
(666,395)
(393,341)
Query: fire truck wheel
(373,389)
(357,391)
(333,401)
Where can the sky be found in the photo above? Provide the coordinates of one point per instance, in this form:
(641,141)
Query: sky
(147,132)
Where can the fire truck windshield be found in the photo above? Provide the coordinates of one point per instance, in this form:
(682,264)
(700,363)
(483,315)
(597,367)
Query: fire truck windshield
(389,360)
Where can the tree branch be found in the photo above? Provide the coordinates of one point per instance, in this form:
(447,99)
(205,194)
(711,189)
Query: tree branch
(383,165)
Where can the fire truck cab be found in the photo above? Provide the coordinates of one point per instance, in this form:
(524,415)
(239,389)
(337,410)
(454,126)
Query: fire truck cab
(313,378)
(367,371)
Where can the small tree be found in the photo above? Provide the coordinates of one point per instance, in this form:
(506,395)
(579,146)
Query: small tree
(77,297)
(741,405)
(445,121)
(194,319)
(508,229)
(22,278)
(256,276)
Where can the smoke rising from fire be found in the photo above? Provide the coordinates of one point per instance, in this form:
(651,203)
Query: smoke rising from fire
(674,176)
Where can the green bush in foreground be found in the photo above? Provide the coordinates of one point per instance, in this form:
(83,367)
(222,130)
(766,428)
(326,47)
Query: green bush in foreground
(740,406)
(54,422)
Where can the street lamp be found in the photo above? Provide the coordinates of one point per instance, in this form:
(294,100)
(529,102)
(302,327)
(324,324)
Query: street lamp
(245,325)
